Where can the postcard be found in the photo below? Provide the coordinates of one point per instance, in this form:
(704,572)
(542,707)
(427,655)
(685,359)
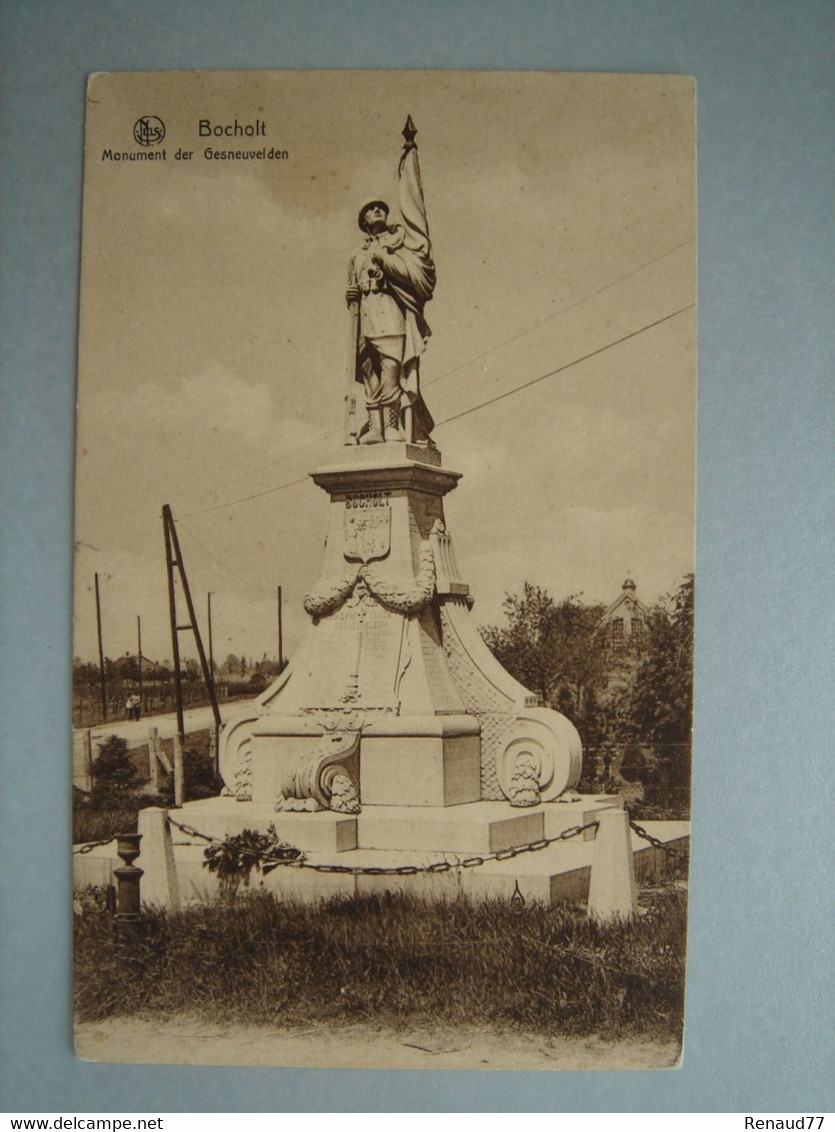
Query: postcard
(384,592)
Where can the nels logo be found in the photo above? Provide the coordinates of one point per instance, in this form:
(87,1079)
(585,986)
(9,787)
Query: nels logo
(149,130)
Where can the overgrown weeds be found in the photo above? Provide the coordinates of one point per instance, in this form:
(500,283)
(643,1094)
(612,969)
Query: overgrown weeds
(394,960)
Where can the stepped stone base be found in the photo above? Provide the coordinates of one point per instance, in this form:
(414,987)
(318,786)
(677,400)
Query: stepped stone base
(473,827)
(561,872)
(389,837)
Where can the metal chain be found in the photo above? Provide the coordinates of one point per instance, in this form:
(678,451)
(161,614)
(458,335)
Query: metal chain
(443,866)
(91,845)
(190,831)
(654,842)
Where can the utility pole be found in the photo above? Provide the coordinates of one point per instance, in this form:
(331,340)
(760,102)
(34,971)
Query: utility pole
(101,654)
(174,558)
(280,635)
(167,523)
(139,652)
(211,688)
(211,651)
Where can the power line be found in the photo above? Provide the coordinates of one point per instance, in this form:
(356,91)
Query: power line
(561,369)
(254,469)
(473,408)
(211,556)
(246,498)
(558,314)
(433,381)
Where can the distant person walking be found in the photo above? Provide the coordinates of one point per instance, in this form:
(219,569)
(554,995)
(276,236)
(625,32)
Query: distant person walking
(133,704)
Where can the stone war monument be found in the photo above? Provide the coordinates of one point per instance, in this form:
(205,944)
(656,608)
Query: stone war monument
(394,700)
(394,736)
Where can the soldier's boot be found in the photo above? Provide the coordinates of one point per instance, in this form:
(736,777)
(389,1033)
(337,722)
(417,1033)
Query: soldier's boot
(393,422)
(374,432)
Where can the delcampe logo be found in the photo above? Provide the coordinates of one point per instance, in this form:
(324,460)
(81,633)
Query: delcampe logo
(149,130)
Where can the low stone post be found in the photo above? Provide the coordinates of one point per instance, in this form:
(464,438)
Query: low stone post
(160,887)
(612,888)
(128,900)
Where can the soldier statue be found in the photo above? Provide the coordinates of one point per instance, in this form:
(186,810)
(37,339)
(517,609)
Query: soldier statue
(390,280)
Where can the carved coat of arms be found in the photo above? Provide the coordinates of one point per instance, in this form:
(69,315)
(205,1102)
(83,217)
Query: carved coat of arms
(367,533)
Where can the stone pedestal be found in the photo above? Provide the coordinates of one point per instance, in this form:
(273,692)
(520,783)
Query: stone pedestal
(393,699)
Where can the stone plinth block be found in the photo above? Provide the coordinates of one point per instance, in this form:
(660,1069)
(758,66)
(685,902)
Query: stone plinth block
(325,832)
(426,761)
(478,827)
(560,816)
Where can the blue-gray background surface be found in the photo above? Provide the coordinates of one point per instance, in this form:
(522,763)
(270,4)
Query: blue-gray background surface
(759,1014)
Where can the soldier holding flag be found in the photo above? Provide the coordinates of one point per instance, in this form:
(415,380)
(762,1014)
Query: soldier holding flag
(391,278)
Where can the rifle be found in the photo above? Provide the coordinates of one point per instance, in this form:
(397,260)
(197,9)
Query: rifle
(351,374)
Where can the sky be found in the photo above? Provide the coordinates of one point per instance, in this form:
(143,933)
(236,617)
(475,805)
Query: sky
(213,338)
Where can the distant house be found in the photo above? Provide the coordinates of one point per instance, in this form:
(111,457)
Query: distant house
(127,667)
(625,621)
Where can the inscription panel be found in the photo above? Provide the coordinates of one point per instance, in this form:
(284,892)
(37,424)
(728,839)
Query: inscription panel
(382,633)
(333,658)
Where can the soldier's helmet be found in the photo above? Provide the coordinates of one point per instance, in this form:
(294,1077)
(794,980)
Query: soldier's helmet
(370,204)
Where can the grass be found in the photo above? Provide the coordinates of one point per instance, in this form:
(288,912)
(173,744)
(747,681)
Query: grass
(90,824)
(394,960)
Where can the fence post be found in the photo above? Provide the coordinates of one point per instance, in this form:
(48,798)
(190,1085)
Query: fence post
(88,758)
(612,889)
(153,758)
(179,793)
(213,750)
(82,759)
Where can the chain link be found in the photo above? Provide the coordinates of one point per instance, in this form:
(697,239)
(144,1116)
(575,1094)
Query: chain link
(91,845)
(654,842)
(676,854)
(190,831)
(443,866)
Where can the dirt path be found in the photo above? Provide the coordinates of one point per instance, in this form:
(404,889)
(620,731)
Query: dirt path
(136,731)
(181,1040)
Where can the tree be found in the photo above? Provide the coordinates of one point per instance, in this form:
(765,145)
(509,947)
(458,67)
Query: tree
(200,778)
(552,648)
(662,699)
(113,771)
(661,704)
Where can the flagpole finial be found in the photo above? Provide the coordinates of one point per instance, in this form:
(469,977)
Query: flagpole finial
(409,131)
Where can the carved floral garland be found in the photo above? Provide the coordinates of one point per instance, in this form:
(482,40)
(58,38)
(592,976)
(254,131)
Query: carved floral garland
(401,597)
(321,601)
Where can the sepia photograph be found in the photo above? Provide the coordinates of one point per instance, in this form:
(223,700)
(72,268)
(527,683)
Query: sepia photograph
(384,569)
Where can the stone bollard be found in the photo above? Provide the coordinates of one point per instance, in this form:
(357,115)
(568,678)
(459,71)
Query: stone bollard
(612,889)
(128,902)
(160,887)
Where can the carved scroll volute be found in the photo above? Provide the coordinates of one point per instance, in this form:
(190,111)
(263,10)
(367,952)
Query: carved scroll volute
(541,757)
(325,778)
